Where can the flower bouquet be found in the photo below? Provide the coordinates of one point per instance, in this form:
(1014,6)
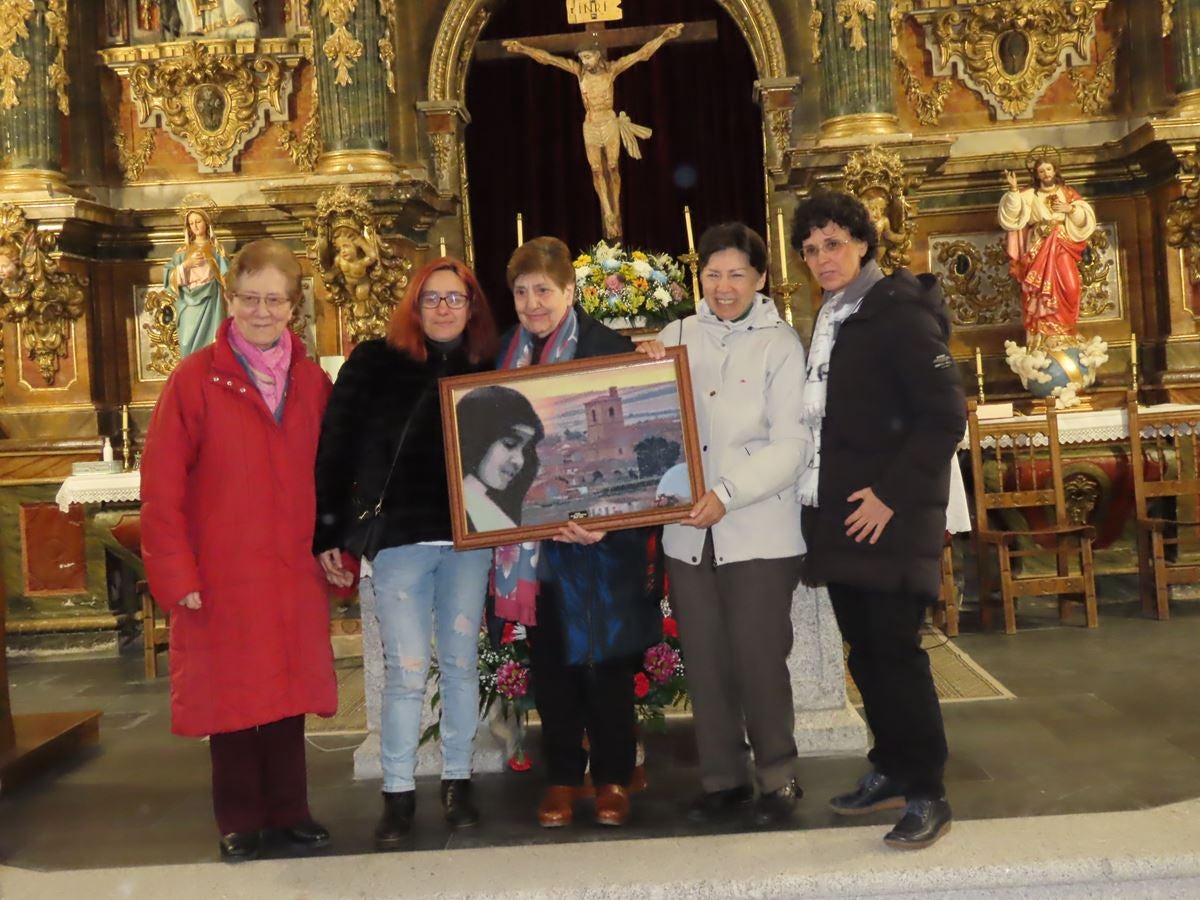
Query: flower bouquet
(661,683)
(631,286)
(504,676)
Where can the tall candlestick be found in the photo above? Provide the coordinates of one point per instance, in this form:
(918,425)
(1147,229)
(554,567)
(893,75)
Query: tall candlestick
(1133,361)
(441,246)
(687,223)
(520,230)
(979,373)
(782,244)
(126,449)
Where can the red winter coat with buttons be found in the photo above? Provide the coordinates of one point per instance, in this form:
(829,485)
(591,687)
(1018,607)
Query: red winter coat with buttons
(228,508)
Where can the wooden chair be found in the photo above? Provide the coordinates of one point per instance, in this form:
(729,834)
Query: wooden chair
(1165,458)
(156,633)
(1027,474)
(945,612)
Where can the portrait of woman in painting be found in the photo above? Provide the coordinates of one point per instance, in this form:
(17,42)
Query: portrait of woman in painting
(498,436)
(196,279)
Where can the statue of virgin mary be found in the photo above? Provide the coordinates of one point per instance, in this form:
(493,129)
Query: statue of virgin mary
(218,18)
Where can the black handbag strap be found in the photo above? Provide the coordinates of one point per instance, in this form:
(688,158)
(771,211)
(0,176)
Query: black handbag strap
(396,456)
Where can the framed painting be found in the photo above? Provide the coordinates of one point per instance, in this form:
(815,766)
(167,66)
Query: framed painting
(609,442)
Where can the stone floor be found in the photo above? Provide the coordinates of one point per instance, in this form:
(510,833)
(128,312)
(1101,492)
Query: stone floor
(1102,720)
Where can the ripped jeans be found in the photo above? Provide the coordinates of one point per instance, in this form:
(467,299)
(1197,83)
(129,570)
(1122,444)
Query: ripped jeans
(420,587)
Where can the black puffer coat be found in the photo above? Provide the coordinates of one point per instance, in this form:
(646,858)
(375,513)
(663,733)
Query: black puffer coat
(894,413)
(378,389)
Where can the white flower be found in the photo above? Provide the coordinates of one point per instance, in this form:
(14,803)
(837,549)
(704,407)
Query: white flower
(603,252)
(662,295)
(582,273)
(642,268)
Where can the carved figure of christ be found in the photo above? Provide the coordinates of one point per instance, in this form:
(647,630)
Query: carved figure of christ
(605,131)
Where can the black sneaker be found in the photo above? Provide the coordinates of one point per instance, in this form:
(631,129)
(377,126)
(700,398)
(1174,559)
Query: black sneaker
(456,801)
(923,823)
(713,806)
(874,792)
(776,807)
(396,821)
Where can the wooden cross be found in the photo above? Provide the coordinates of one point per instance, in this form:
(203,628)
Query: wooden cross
(597,35)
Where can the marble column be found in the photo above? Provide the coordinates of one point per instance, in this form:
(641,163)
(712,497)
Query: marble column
(826,723)
(1185,50)
(32,96)
(354,52)
(857,95)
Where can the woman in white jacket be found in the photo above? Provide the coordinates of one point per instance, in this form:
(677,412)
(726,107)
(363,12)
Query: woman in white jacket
(734,564)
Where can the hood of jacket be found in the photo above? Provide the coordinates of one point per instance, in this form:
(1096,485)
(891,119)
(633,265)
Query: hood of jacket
(902,286)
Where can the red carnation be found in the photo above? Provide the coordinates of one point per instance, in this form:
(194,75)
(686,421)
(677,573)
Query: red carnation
(641,685)
(507,635)
(670,627)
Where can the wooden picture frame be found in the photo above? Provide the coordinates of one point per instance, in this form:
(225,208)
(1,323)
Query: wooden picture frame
(608,441)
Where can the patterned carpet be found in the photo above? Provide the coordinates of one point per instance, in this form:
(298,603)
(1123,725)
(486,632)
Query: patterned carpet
(956,676)
(351,717)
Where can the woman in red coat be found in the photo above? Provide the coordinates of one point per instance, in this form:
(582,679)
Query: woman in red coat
(228,505)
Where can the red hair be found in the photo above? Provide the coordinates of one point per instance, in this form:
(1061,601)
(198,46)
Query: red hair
(404,327)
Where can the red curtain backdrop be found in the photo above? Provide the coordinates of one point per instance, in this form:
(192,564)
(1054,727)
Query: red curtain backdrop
(525,142)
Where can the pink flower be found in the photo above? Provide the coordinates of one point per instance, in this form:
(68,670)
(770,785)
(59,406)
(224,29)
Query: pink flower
(614,283)
(512,680)
(660,661)
(676,290)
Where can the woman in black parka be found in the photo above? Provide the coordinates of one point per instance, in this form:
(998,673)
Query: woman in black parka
(884,398)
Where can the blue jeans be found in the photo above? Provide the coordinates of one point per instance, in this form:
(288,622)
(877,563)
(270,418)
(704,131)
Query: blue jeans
(419,587)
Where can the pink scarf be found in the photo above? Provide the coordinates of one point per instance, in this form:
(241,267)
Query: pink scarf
(268,368)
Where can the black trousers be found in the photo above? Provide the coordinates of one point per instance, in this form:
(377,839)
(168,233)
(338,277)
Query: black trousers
(892,674)
(596,700)
(259,778)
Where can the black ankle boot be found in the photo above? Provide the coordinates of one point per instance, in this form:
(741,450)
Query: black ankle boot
(396,821)
(456,800)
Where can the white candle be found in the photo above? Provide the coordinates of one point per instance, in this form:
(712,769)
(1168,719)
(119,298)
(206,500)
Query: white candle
(687,223)
(441,246)
(782,245)
(520,230)
(125,418)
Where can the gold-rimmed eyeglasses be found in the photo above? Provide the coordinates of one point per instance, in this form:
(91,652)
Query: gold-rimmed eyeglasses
(272,301)
(829,246)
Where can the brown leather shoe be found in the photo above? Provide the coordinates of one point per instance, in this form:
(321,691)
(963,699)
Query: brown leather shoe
(638,781)
(557,806)
(612,805)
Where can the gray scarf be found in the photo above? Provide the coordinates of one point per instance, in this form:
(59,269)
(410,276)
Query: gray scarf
(835,309)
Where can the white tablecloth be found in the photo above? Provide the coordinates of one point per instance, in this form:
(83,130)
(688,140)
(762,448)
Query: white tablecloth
(110,487)
(958,511)
(1094,426)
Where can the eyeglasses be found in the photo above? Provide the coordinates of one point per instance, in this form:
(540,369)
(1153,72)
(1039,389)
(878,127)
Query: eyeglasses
(253,301)
(454,299)
(829,246)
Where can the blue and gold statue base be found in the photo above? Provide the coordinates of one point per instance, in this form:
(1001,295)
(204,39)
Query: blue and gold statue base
(1063,369)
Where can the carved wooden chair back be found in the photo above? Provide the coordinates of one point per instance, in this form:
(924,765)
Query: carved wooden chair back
(1016,463)
(1164,446)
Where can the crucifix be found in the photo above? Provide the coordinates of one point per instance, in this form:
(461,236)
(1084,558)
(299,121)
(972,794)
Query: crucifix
(605,131)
